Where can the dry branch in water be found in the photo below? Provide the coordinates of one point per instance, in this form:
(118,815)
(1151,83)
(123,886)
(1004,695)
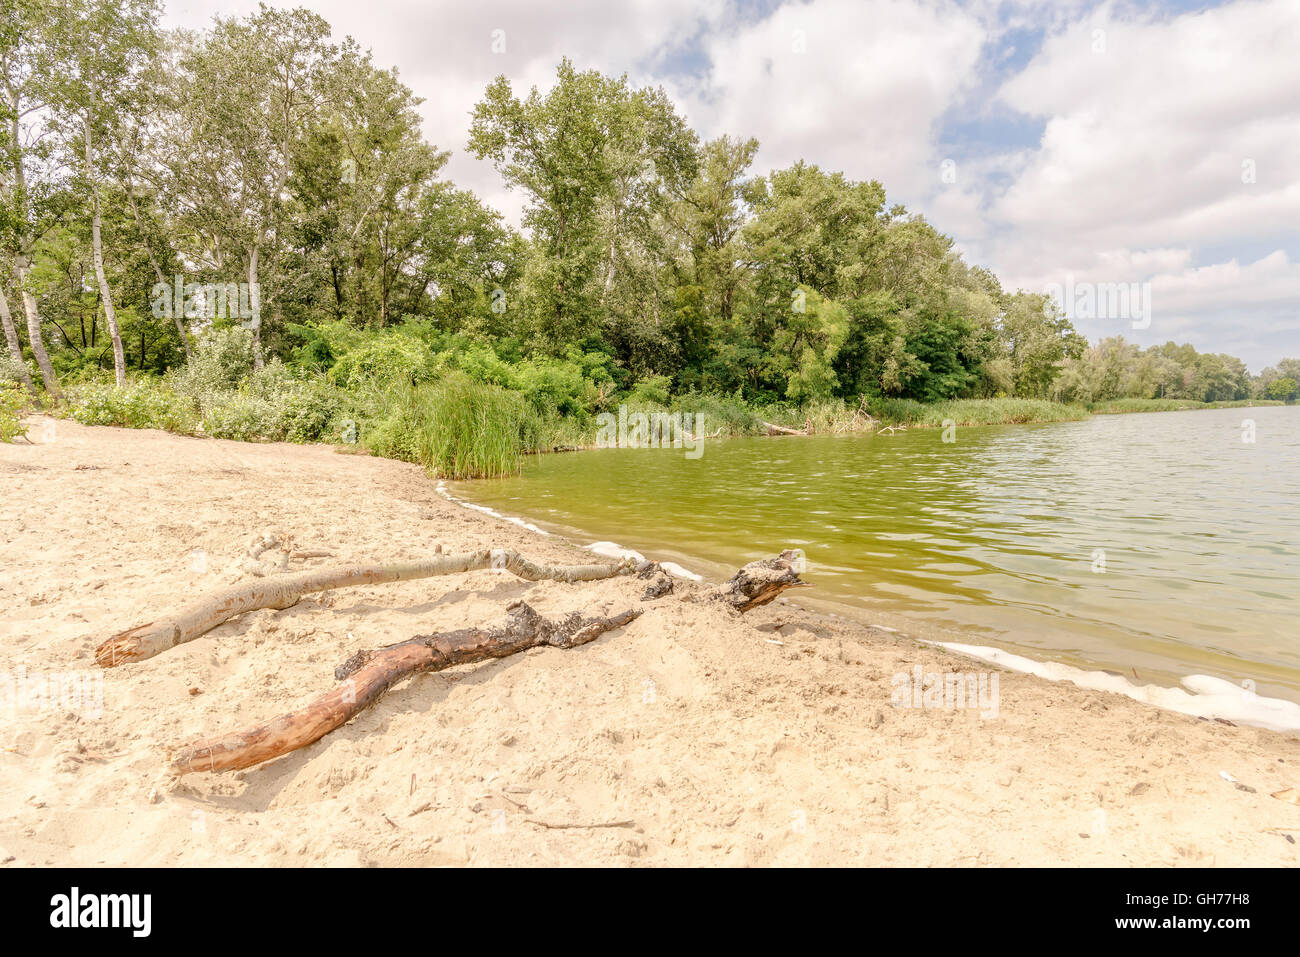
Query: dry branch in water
(368,674)
(773,429)
(153,638)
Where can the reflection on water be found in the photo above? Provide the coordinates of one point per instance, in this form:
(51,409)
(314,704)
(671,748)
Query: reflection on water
(1157,543)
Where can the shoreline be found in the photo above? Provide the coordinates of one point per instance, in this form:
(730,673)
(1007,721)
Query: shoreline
(1200,695)
(765,739)
(898,425)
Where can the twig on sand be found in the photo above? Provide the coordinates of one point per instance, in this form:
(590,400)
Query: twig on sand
(567,827)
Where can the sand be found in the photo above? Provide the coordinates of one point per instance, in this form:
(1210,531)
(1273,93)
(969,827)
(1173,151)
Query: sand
(692,736)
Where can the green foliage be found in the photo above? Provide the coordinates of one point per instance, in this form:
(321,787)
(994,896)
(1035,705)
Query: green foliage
(14,401)
(390,359)
(1117,406)
(725,412)
(972,412)
(274,405)
(11,370)
(657,270)
(1282,389)
(143,404)
(652,390)
(222,359)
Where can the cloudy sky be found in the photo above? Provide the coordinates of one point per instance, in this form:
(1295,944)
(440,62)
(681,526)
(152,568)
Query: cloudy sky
(1059,141)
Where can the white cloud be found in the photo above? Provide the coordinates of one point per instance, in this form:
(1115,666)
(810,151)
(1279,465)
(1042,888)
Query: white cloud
(863,96)
(1139,173)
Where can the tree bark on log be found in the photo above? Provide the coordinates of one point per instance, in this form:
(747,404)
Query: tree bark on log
(368,674)
(782,430)
(759,582)
(155,637)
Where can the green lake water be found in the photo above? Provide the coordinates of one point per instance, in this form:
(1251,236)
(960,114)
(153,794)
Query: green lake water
(1156,544)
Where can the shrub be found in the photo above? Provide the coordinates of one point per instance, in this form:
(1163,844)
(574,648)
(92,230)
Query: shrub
(273,405)
(13,402)
(11,370)
(972,412)
(143,404)
(725,412)
(299,409)
(222,359)
(652,390)
(395,358)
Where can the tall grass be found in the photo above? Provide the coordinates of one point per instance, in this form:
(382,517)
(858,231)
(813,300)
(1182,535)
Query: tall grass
(455,427)
(1117,406)
(972,412)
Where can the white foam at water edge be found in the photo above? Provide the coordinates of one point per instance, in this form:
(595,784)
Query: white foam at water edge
(441,489)
(608,549)
(614,550)
(1210,697)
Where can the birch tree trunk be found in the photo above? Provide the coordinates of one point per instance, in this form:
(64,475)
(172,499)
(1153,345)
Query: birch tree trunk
(255,300)
(23,267)
(97,254)
(11,339)
(22,264)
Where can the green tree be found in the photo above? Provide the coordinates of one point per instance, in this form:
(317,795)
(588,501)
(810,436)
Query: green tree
(1284,389)
(593,156)
(29,197)
(101,50)
(245,92)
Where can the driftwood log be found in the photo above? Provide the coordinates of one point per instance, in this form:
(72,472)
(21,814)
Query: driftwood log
(155,637)
(368,674)
(759,582)
(773,429)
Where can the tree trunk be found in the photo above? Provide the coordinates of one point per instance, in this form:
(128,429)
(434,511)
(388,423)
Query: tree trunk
(255,300)
(23,267)
(368,674)
(782,430)
(97,255)
(11,339)
(153,638)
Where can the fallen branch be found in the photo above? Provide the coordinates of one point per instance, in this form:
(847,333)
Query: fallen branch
(368,674)
(155,637)
(759,582)
(782,430)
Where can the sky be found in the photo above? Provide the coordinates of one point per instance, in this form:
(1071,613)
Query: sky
(1068,145)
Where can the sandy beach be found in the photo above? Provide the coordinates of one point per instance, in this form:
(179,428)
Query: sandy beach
(692,736)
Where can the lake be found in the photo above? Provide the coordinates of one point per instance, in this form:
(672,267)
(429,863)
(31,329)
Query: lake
(1154,545)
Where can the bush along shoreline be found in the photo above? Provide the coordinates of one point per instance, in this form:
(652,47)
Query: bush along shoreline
(472,414)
